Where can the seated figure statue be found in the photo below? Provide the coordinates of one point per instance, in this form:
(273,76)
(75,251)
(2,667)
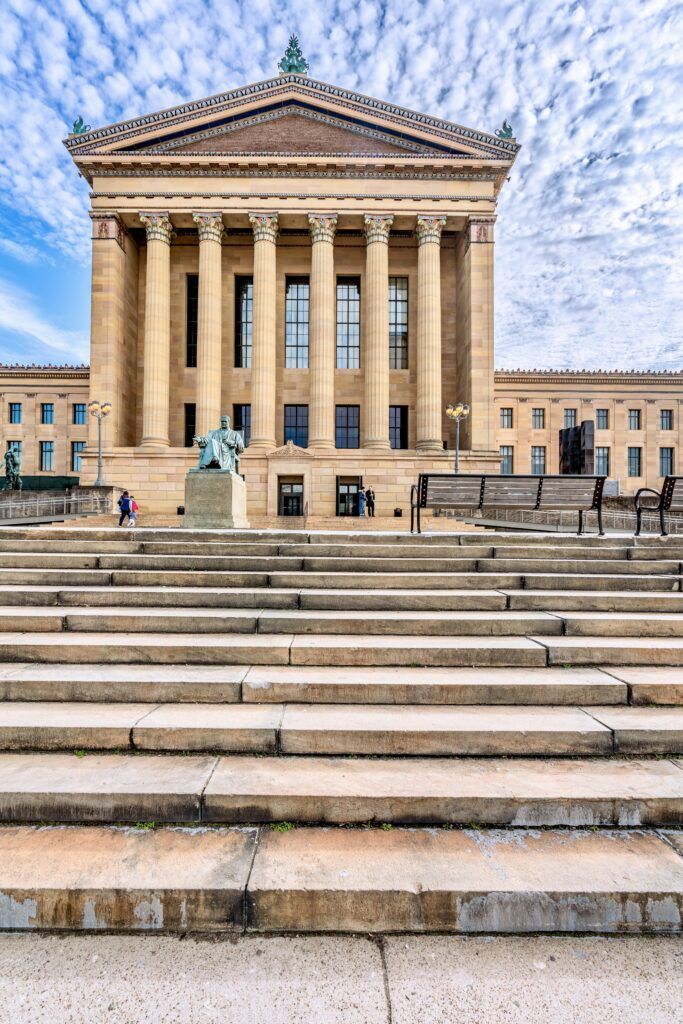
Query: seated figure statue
(220,449)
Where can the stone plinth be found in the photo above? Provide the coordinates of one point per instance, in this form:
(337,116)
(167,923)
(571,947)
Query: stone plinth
(215,499)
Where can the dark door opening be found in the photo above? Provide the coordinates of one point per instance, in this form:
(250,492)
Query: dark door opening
(291,498)
(347,495)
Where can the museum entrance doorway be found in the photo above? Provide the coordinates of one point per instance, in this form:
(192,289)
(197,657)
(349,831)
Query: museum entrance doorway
(291,497)
(347,495)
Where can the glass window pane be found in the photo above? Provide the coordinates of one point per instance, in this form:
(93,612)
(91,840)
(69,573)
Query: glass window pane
(507,464)
(348,323)
(244,317)
(602,419)
(296,425)
(666,462)
(398,323)
(191,316)
(538,419)
(241,421)
(347,426)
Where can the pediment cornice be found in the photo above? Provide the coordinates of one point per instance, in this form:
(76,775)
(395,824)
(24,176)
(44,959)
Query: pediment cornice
(290,451)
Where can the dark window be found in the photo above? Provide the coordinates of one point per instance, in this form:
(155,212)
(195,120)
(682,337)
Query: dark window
(244,317)
(47,451)
(241,421)
(15,412)
(14,446)
(398,324)
(569,418)
(347,426)
(634,421)
(634,461)
(76,449)
(666,462)
(296,322)
(666,419)
(291,498)
(191,319)
(348,323)
(47,412)
(602,461)
(538,459)
(506,418)
(296,425)
(398,426)
(538,419)
(602,419)
(79,414)
(507,458)
(190,422)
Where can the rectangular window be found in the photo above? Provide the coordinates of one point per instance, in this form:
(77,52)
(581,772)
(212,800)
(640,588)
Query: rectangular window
(398,323)
(190,422)
(506,419)
(348,324)
(507,458)
(47,454)
(538,419)
(241,421)
(191,317)
(79,414)
(666,419)
(76,449)
(666,462)
(14,446)
(347,423)
(244,318)
(15,412)
(634,420)
(569,418)
(47,412)
(398,426)
(602,419)
(538,459)
(296,322)
(634,461)
(296,425)
(602,461)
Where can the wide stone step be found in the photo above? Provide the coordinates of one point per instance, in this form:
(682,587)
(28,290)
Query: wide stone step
(488,580)
(571,566)
(626,624)
(167,597)
(651,685)
(237,789)
(340,880)
(593,601)
(230,563)
(300,684)
(613,650)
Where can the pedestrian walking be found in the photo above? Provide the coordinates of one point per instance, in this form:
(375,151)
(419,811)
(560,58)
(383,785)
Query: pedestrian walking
(370,501)
(361,502)
(132,518)
(124,507)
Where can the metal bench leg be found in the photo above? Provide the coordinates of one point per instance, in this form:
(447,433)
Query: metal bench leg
(419,524)
(639,520)
(580,524)
(412,516)
(662,522)
(600,529)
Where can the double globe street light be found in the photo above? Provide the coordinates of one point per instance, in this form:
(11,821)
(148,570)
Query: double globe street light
(99,410)
(457,412)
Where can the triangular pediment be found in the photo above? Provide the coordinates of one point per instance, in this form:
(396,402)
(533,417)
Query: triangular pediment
(290,451)
(290,115)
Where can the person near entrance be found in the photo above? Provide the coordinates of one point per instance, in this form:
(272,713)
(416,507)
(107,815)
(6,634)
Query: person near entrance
(124,507)
(370,501)
(361,502)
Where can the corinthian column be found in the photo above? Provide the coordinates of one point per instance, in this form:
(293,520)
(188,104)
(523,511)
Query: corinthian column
(428,399)
(155,394)
(263,339)
(322,332)
(210,227)
(376,360)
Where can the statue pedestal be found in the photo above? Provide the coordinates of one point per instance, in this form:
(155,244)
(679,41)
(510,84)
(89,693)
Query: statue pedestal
(215,499)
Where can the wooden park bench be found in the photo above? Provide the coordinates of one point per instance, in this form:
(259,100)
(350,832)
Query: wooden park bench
(515,491)
(670,498)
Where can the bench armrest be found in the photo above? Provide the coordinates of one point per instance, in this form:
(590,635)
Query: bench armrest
(646,490)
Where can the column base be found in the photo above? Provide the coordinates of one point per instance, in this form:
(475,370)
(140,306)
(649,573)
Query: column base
(383,446)
(429,447)
(153,443)
(322,446)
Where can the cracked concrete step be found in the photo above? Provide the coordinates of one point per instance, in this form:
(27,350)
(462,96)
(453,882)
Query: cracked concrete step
(651,685)
(639,729)
(151,683)
(88,726)
(612,650)
(571,566)
(540,686)
(109,788)
(592,601)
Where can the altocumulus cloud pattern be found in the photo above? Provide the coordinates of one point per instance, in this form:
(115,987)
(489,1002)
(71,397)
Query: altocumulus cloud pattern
(590,226)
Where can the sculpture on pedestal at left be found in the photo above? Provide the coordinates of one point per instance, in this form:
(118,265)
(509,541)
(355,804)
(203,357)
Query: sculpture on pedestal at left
(220,449)
(12,470)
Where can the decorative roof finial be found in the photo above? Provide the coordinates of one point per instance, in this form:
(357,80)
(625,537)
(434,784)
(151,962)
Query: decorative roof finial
(506,131)
(79,127)
(293,62)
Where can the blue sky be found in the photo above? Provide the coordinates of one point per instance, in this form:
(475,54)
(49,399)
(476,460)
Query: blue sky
(589,238)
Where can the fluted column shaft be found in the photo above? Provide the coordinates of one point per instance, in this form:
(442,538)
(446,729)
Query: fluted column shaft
(263,340)
(376,357)
(322,324)
(155,393)
(210,228)
(429,435)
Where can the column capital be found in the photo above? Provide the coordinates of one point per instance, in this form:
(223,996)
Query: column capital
(377,227)
(322,227)
(158,227)
(480,228)
(429,228)
(264,226)
(209,226)
(107,225)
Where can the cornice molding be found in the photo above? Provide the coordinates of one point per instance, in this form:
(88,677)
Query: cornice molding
(588,377)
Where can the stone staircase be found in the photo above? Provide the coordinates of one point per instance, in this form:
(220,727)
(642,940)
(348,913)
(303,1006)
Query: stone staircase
(370,732)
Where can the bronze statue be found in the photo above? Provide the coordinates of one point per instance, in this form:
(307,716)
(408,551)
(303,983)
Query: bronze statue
(13,481)
(220,449)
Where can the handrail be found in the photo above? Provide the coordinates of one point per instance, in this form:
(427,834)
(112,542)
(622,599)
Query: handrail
(59,505)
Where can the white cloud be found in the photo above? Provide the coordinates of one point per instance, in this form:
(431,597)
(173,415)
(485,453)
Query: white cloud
(589,234)
(20,317)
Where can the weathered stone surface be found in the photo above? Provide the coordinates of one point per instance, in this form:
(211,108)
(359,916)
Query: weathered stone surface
(592,601)
(610,650)
(59,726)
(623,624)
(470,881)
(234,727)
(416,624)
(428,651)
(643,730)
(96,879)
(652,685)
(215,501)
(146,648)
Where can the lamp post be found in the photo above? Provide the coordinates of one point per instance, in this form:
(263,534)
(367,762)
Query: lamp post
(457,412)
(99,410)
